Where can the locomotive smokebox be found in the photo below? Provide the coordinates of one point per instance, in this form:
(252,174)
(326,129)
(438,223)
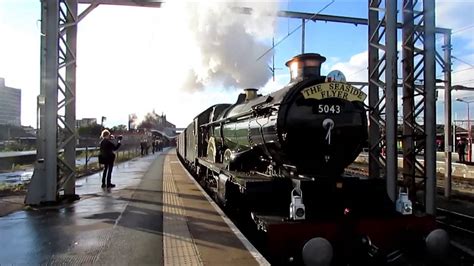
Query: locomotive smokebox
(305,65)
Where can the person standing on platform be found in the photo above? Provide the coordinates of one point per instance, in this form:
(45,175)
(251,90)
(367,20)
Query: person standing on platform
(147,147)
(142,147)
(107,156)
(461,149)
(153,147)
(157,145)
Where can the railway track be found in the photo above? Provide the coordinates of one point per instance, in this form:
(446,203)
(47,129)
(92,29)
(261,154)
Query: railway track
(462,187)
(456,221)
(460,228)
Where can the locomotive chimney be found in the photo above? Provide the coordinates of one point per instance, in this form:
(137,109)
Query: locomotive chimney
(305,65)
(250,94)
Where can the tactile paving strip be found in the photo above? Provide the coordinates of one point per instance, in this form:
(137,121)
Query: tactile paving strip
(178,244)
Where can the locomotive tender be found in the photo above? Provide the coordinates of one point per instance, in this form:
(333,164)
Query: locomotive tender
(280,159)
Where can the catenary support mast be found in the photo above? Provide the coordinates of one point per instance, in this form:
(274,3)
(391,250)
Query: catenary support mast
(56,103)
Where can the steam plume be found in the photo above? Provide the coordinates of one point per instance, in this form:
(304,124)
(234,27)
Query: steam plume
(225,44)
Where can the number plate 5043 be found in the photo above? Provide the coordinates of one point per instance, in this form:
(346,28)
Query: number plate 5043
(328,109)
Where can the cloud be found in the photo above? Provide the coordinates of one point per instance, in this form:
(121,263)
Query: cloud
(330,61)
(457,15)
(355,69)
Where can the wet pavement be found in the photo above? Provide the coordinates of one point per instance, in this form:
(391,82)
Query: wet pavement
(105,226)
(157,215)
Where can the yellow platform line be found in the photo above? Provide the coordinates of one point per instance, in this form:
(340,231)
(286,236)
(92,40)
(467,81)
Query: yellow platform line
(179,246)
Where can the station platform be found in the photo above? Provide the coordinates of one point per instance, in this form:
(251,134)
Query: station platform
(157,215)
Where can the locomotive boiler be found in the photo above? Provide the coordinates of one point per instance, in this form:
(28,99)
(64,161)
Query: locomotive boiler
(279,160)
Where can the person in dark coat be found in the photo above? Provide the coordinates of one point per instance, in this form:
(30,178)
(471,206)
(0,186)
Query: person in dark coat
(160,145)
(157,145)
(107,157)
(147,147)
(153,146)
(461,149)
(142,147)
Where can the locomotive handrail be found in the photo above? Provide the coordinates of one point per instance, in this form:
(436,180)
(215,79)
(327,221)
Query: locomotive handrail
(254,110)
(230,118)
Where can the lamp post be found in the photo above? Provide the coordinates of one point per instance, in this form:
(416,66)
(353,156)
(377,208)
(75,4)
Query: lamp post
(469,141)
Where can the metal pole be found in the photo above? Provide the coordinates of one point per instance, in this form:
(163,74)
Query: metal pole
(469,133)
(273,61)
(409,158)
(302,35)
(70,108)
(87,158)
(391,96)
(37,188)
(373,75)
(448,139)
(50,93)
(454,136)
(57,57)
(430,104)
(318,17)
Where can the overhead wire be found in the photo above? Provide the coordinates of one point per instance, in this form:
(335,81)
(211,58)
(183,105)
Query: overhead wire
(288,19)
(454,57)
(357,72)
(456,71)
(462,29)
(457,31)
(471,66)
(294,30)
(466,81)
(460,60)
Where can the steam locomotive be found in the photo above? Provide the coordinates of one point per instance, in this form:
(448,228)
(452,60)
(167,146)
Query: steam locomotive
(280,159)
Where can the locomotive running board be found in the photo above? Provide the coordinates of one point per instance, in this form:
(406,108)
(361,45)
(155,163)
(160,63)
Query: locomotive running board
(215,167)
(239,177)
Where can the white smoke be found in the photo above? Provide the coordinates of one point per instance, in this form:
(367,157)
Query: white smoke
(224,45)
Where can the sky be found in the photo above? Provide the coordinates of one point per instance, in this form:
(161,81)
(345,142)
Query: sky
(184,57)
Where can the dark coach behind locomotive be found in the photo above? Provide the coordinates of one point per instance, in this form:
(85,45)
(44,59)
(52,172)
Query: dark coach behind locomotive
(262,154)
